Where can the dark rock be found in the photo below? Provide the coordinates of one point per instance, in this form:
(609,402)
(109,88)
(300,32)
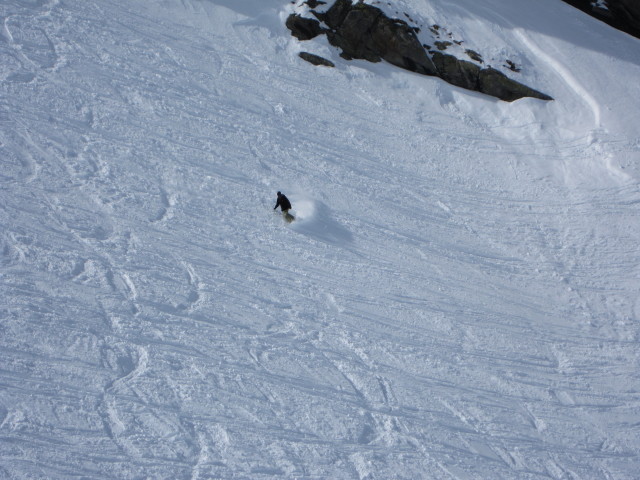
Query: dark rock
(473,55)
(316,59)
(489,81)
(621,14)
(494,83)
(627,12)
(457,72)
(512,66)
(442,45)
(355,35)
(303,28)
(314,3)
(398,44)
(364,32)
(336,14)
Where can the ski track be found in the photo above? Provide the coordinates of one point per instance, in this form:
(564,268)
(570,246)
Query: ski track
(566,76)
(158,321)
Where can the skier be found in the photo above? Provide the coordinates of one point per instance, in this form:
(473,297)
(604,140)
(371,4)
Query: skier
(283,202)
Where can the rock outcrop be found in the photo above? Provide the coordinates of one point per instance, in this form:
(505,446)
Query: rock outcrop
(497,84)
(365,32)
(362,31)
(303,28)
(621,14)
(489,81)
(627,13)
(460,73)
(316,60)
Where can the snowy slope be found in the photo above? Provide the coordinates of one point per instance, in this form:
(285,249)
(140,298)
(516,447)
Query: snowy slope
(459,296)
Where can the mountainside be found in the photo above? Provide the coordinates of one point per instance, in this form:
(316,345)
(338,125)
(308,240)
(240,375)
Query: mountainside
(621,14)
(458,297)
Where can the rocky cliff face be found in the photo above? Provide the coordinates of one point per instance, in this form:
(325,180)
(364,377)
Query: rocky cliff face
(627,13)
(365,32)
(621,14)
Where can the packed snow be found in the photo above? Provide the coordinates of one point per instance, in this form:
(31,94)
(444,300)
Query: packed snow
(458,298)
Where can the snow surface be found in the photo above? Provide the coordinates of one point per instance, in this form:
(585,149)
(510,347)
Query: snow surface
(459,297)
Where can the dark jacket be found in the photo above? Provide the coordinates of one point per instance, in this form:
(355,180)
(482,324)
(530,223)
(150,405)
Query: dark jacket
(283,202)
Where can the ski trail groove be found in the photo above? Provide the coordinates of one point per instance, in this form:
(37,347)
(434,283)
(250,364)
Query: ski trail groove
(564,73)
(167,202)
(130,363)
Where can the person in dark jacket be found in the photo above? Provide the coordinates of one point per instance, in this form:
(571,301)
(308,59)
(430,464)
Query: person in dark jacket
(283,202)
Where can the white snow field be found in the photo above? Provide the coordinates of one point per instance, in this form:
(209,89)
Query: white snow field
(458,298)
